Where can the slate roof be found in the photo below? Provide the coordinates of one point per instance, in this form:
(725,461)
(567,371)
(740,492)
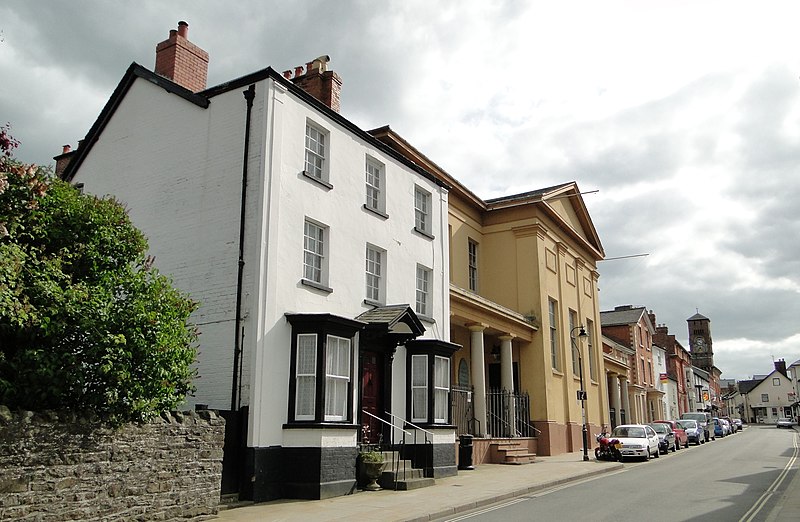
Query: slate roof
(526,195)
(698,317)
(747,386)
(389,316)
(617,317)
(203,99)
(384,314)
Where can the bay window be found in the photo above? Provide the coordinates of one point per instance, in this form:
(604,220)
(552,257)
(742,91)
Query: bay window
(321,387)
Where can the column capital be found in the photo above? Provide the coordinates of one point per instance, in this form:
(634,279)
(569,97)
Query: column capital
(476,327)
(507,337)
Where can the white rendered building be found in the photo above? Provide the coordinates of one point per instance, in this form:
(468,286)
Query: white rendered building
(318,255)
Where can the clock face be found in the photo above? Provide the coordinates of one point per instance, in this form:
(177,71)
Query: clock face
(699,343)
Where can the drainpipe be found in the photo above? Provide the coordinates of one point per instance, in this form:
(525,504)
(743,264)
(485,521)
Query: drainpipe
(236,385)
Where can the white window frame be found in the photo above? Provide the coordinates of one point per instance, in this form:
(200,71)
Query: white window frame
(375,196)
(472,262)
(441,388)
(316,150)
(315,247)
(424,278)
(422,210)
(419,387)
(305,396)
(375,269)
(338,370)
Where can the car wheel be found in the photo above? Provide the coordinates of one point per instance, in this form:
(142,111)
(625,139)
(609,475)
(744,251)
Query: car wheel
(647,454)
(658,453)
(677,445)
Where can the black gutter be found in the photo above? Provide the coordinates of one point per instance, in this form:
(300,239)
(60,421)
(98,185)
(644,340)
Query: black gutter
(236,385)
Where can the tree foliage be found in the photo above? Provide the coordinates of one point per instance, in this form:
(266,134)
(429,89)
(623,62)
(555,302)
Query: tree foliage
(86,322)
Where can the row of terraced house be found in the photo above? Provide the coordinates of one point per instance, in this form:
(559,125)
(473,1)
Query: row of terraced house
(353,292)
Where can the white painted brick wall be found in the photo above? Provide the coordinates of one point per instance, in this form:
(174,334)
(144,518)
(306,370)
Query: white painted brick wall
(178,168)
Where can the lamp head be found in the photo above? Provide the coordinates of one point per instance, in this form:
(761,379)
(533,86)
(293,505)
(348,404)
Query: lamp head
(583,333)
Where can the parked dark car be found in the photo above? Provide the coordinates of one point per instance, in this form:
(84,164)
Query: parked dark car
(694,433)
(666,437)
(681,439)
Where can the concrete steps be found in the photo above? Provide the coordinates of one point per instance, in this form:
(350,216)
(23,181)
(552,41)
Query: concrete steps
(400,475)
(512,453)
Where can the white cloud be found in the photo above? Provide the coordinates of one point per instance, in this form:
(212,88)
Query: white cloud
(685,115)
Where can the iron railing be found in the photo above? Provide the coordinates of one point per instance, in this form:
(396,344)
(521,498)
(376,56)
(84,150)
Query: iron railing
(509,414)
(461,411)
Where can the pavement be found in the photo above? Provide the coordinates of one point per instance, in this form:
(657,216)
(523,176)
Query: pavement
(787,504)
(470,489)
(485,485)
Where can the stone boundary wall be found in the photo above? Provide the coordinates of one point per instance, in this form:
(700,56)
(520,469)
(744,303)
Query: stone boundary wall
(59,466)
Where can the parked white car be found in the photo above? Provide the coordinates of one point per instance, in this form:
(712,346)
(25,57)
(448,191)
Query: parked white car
(638,440)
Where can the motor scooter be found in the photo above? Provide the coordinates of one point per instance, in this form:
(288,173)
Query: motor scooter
(608,449)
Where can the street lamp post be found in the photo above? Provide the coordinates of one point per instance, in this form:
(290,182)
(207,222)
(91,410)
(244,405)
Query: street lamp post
(582,392)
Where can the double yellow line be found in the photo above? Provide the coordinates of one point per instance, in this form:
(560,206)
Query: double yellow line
(762,500)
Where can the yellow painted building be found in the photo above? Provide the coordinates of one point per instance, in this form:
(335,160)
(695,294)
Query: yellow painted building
(524,278)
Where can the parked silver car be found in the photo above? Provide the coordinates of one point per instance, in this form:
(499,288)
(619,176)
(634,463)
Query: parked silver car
(784,422)
(694,433)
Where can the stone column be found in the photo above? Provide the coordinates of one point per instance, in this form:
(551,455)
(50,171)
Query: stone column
(614,395)
(507,380)
(626,399)
(478,378)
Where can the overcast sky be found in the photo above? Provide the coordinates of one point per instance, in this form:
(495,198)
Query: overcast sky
(685,115)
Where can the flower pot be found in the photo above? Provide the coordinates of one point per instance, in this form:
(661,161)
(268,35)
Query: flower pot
(372,472)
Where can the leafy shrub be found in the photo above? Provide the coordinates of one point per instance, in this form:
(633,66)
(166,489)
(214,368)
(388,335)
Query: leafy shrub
(86,322)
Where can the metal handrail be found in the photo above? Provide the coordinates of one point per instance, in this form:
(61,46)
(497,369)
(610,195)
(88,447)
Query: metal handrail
(392,415)
(385,422)
(395,462)
(531,426)
(426,441)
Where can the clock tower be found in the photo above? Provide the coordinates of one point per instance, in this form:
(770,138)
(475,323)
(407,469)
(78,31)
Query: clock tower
(700,342)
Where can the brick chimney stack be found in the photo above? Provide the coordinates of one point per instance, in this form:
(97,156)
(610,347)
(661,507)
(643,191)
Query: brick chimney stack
(780,365)
(182,61)
(318,81)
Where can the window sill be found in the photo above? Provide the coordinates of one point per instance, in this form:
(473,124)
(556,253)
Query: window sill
(370,302)
(427,425)
(320,182)
(424,233)
(375,211)
(426,318)
(316,286)
(557,372)
(300,425)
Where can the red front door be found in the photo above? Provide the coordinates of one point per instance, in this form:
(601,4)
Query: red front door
(370,398)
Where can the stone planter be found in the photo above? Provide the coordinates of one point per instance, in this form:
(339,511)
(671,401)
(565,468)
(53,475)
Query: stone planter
(372,472)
